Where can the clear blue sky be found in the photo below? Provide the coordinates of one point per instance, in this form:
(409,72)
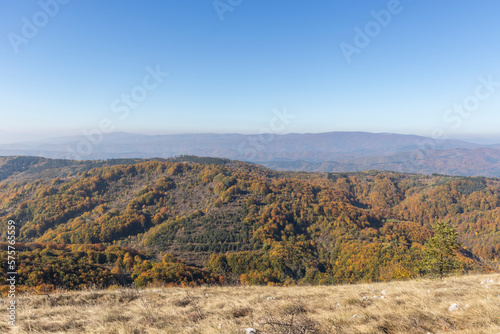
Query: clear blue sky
(229,75)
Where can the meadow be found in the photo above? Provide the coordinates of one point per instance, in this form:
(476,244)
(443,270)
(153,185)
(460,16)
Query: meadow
(460,304)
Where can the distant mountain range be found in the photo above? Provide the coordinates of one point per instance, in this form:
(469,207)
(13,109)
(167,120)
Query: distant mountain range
(324,152)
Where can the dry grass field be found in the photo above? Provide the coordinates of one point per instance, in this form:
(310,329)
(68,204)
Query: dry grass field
(418,306)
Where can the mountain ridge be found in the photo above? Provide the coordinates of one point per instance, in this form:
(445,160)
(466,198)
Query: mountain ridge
(353,151)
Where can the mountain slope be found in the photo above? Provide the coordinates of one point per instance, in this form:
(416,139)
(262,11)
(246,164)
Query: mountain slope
(255,223)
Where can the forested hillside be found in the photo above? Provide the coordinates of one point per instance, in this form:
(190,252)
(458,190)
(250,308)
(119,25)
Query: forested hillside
(203,220)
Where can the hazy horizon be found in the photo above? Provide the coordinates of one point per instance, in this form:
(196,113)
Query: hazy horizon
(13,138)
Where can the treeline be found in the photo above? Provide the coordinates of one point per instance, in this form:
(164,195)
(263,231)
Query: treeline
(43,268)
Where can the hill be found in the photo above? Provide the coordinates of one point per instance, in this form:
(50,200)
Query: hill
(324,152)
(415,306)
(477,161)
(207,220)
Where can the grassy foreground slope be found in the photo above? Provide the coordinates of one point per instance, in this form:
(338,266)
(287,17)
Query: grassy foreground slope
(415,306)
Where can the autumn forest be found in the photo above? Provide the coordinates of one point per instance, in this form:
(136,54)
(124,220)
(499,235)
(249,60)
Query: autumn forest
(190,221)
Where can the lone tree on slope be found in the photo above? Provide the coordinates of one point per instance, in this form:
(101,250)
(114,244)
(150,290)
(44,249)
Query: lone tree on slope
(439,252)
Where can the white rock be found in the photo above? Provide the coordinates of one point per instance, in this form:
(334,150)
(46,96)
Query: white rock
(271,298)
(453,307)
(220,325)
(487,281)
(338,304)
(356,316)
(466,306)
(262,296)
(375,297)
(364,298)
(382,297)
(250,330)
(384,292)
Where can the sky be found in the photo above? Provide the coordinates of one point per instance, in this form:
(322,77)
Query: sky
(70,67)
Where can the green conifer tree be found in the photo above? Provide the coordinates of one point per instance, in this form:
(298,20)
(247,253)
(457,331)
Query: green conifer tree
(439,252)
